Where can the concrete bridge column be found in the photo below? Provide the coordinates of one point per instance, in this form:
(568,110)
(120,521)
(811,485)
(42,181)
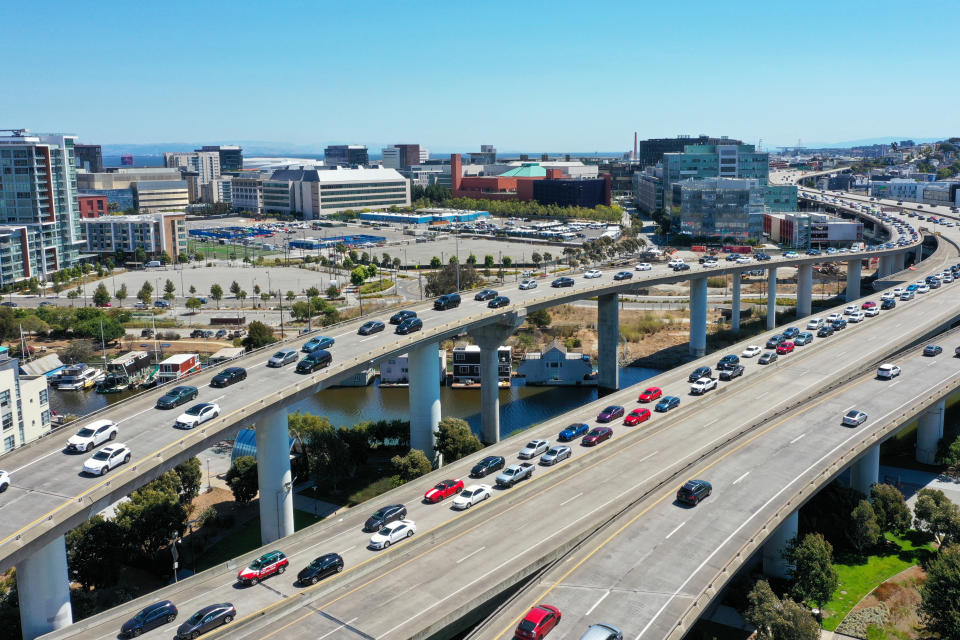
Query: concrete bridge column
(608,339)
(771,298)
(424,394)
(275,479)
(489,338)
(804,290)
(774,564)
(919,256)
(853,280)
(899,262)
(698,317)
(44,588)
(735,310)
(865,472)
(929,433)
(886,266)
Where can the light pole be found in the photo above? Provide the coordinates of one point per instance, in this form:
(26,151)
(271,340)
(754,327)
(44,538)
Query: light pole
(209,486)
(458,260)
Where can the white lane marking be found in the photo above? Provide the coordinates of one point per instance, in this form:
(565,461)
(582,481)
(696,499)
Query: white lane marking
(349,333)
(204,594)
(260,363)
(470,555)
(741,477)
(893,384)
(853,406)
(370,338)
(135,415)
(337,629)
(932,363)
(14,471)
(602,598)
(571,499)
(677,528)
(798,438)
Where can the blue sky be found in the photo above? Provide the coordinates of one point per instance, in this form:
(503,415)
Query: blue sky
(528,75)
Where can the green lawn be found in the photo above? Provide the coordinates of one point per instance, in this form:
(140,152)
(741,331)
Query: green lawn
(246,538)
(861,576)
(372,479)
(214,250)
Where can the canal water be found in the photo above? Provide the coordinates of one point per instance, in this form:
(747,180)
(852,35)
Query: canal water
(520,407)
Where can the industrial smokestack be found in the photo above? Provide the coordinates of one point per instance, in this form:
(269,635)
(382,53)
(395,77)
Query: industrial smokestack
(635,150)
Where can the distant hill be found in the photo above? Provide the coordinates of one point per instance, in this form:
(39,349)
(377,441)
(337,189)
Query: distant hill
(866,142)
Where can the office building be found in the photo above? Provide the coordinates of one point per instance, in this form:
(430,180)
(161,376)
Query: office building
(402,156)
(24,404)
(217,191)
(89,157)
(316,191)
(651,151)
(205,163)
(714,161)
(246,192)
(231,156)
(780,197)
(567,192)
(519,181)
(567,168)
(806,230)
(93,206)
(346,154)
(155,233)
(39,213)
(150,196)
(909,190)
(116,184)
(555,366)
(486,155)
(466,365)
(648,190)
(718,208)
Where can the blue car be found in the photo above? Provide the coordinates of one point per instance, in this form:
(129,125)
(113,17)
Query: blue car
(573,432)
(912,288)
(666,403)
(319,342)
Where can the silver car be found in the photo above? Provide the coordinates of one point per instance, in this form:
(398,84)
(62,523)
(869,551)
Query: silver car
(602,631)
(282,357)
(555,455)
(528,284)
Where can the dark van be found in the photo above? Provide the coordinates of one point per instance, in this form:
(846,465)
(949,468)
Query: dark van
(318,359)
(447,301)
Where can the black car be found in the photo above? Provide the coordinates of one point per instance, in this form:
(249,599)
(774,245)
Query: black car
(767,358)
(320,568)
(775,341)
(207,619)
(222,333)
(825,332)
(728,362)
(487,466)
(683,266)
(319,359)
(229,376)
(149,618)
(562,282)
(177,396)
(731,372)
(409,326)
(700,372)
(447,301)
(693,491)
(790,333)
(146,333)
(400,316)
(499,301)
(932,350)
(623,275)
(370,327)
(839,324)
(385,515)
(485,294)
(731,257)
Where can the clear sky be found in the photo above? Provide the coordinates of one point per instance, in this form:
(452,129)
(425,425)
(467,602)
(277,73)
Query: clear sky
(521,75)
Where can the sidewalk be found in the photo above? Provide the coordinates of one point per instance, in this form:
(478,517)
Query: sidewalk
(910,481)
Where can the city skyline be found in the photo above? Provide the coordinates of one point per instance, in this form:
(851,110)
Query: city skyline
(585,82)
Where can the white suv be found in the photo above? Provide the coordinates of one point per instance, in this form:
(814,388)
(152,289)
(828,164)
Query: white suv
(675,262)
(814,323)
(93,435)
(888,371)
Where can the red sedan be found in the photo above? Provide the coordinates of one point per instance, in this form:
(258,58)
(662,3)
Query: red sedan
(869,304)
(538,622)
(596,436)
(651,394)
(637,416)
(784,348)
(443,490)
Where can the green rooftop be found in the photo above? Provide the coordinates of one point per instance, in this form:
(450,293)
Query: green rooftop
(526,170)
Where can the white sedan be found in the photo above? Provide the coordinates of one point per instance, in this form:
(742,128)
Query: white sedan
(923,288)
(472,495)
(93,435)
(392,533)
(750,351)
(528,284)
(4,480)
(533,449)
(857,316)
(592,273)
(643,266)
(197,414)
(107,458)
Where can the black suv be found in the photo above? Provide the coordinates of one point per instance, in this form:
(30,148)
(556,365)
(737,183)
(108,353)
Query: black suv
(700,372)
(447,301)
(319,359)
(694,491)
(728,362)
(487,466)
(384,516)
(320,567)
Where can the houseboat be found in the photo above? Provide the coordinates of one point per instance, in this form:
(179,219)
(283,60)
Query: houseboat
(79,377)
(124,372)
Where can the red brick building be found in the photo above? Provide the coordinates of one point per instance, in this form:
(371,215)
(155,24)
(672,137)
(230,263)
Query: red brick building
(515,184)
(93,206)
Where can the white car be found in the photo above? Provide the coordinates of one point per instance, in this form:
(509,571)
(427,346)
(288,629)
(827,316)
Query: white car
(703,385)
(898,291)
(743,260)
(197,414)
(93,435)
(391,533)
(472,495)
(851,309)
(854,418)
(923,288)
(888,371)
(528,284)
(947,279)
(750,351)
(814,323)
(556,454)
(4,480)
(872,312)
(107,458)
(710,264)
(643,266)
(533,449)
(888,295)
(833,317)
(675,262)
(592,273)
(859,316)
(791,254)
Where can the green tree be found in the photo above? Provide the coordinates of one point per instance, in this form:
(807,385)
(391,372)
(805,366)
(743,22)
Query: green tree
(291,296)
(140,255)
(763,610)
(101,296)
(371,270)
(165,258)
(242,479)
(328,456)
(242,296)
(34,325)
(455,439)
(507,261)
(411,466)
(893,514)
(191,477)
(435,262)
(216,292)
(193,290)
(235,288)
(445,280)
(152,514)
(536,259)
(812,571)
(539,319)
(168,287)
(864,530)
(312,292)
(358,275)
(193,304)
(256,290)
(183,258)
(488,261)
(95,553)
(472,259)
(796,623)
(121,294)
(332,292)
(258,335)
(145,295)
(940,594)
(300,310)
(935,514)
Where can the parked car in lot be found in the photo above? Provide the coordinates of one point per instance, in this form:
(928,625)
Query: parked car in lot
(270,563)
(487,466)
(283,357)
(392,533)
(610,413)
(767,358)
(385,515)
(400,316)
(321,567)
(538,622)
(650,394)
(370,327)
(410,325)
(693,492)
(443,489)
(854,418)
(177,396)
(750,352)
(149,618)
(596,436)
(636,416)
(735,372)
(229,376)
(472,495)
(888,371)
(667,403)
(533,449)
(206,619)
(573,432)
(932,350)
(93,435)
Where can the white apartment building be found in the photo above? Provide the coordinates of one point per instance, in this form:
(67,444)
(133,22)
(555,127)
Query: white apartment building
(24,404)
(219,190)
(205,163)
(154,233)
(246,193)
(317,191)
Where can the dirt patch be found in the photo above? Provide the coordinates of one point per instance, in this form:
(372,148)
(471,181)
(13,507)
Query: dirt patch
(901,595)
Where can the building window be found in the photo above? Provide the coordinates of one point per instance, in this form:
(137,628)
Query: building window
(45,418)
(8,443)
(7,421)
(4,398)
(44,396)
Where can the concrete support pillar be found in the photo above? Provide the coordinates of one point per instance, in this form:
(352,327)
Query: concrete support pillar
(853,280)
(608,339)
(899,262)
(804,290)
(886,266)
(424,394)
(735,310)
(771,298)
(929,433)
(865,472)
(275,479)
(919,256)
(774,564)
(44,588)
(698,317)
(489,338)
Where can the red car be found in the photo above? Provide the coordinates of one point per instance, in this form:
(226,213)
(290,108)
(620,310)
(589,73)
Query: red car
(651,394)
(784,347)
(637,416)
(443,490)
(538,622)
(596,436)
(263,567)
(869,304)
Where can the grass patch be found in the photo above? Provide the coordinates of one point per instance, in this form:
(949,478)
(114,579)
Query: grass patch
(860,576)
(372,479)
(159,323)
(376,287)
(244,539)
